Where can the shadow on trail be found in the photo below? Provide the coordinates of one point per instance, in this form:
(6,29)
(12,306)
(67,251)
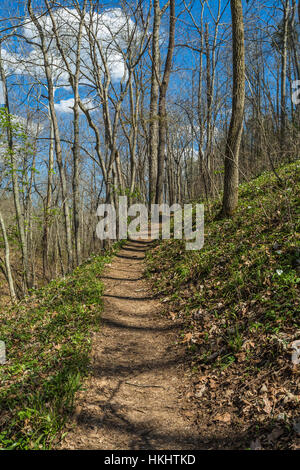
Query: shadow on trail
(145,435)
(135,249)
(120,325)
(146,243)
(131,369)
(138,299)
(136,258)
(122,278)
(142,435)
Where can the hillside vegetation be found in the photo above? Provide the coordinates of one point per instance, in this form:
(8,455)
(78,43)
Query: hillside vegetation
(48,338)
(238,299)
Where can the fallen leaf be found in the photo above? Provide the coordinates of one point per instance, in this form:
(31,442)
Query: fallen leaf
(187,338)
(200,391)
(268,405)
(225,418)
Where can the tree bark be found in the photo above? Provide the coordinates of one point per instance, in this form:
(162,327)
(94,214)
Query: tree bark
(153,127)
(15,184)
(162,113)
(58,149)
(231,170)
(284,75)
(7,261)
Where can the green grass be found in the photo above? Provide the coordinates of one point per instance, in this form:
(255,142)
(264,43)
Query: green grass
(238,297)
(250,258)
(48,339)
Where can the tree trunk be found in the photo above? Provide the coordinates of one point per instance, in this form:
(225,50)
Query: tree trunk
(15,184)
(58,149)
(162,107)
(231,170)
(7,261)
(153,127)
(45,241)
(284,75)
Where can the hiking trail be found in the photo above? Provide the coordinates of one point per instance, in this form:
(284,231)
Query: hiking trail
(132,400)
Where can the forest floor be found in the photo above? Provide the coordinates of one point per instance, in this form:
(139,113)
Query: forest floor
(197,356)
(131,399)
(238,299)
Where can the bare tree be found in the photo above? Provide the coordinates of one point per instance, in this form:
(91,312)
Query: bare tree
(231,171)
(162,112)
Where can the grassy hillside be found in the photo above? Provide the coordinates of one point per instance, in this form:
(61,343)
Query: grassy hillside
(48,340)
(239,299)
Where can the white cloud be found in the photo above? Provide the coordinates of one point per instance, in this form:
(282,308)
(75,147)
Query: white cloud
(111,29)
(66,106)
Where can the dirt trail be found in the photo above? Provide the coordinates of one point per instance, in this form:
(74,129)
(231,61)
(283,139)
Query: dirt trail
(131,401)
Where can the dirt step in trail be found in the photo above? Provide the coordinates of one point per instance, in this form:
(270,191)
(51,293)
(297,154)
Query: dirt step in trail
(131,400)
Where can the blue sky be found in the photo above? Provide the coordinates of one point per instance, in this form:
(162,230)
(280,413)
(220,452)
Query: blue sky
(185,61)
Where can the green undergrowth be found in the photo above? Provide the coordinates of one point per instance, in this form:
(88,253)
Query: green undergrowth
(238,296)
(48,338)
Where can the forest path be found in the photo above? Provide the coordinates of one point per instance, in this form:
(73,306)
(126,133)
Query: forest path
(131,400)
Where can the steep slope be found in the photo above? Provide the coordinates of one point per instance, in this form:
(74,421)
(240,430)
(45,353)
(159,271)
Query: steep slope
(47,338)
(239,301)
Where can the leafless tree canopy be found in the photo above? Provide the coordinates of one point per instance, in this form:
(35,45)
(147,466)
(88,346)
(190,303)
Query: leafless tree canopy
(161,101)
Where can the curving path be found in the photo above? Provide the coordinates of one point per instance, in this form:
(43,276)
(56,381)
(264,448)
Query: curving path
(131,401)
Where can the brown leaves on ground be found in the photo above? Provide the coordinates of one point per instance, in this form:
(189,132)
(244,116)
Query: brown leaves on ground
(244,382)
